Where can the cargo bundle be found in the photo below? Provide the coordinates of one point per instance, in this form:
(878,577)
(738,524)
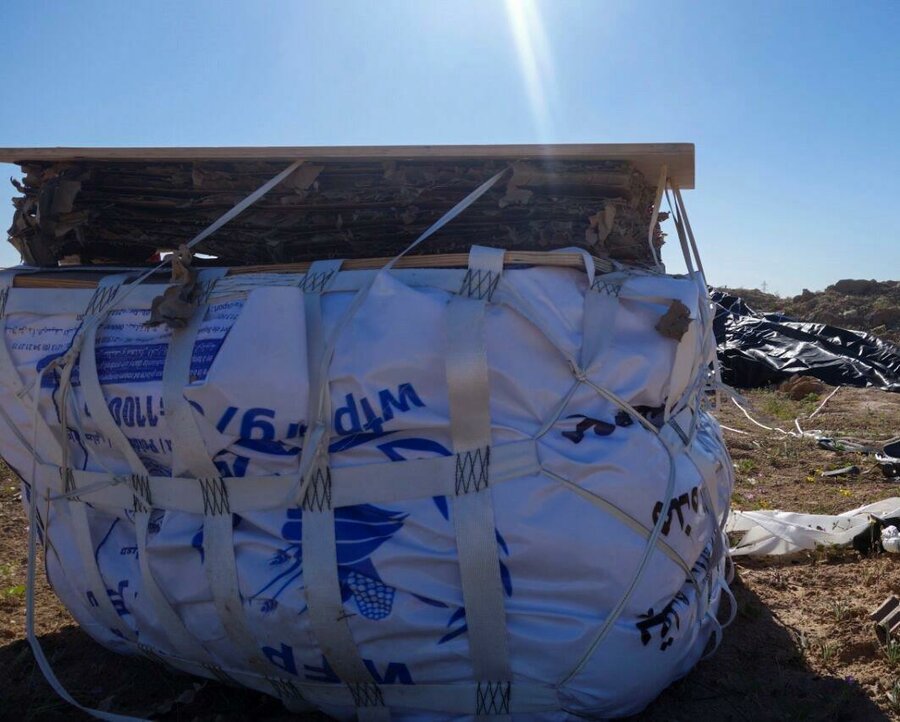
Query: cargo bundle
(473,478)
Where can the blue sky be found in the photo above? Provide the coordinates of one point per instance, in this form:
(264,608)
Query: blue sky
(794,106)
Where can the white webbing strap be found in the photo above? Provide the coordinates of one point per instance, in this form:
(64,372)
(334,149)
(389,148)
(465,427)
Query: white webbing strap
(398,481)
(315,436)
(184,643)
(188,447)
(682,237)
(34,520)
(471,497)
(244,204)
(660,187)
(97,313)
(92,584)
(687,226)
(215,494)
(189,453)
(718,583)
(687,358)
(36,649)
(686,236)
(321,585)
(99,600)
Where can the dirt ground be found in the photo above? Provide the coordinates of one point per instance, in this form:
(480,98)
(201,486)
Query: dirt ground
(800,648)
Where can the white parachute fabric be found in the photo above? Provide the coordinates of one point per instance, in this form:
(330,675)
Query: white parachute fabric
(597,437)
(772,532)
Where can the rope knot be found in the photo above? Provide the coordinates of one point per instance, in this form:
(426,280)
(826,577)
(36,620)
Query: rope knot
(577,371)
(68,358)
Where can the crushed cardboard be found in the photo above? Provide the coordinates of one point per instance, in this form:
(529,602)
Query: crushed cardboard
(127,212)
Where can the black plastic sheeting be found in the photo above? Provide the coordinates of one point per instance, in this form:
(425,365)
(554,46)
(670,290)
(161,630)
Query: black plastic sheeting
(757,349)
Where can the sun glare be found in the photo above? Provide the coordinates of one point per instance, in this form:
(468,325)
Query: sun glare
(534,58)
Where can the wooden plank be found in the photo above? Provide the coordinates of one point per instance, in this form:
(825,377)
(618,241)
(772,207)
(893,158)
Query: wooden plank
(84,278)
(646,157)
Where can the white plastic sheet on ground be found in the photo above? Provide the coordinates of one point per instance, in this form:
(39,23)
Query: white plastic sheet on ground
(570,531)
(783,532)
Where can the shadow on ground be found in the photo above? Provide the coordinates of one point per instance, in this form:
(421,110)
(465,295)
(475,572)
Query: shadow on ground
(118,684)
(758,674)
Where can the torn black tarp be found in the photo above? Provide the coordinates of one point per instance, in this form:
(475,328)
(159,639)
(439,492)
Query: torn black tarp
(757,349)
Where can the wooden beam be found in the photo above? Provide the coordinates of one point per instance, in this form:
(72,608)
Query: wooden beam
(88,278)
(646,157)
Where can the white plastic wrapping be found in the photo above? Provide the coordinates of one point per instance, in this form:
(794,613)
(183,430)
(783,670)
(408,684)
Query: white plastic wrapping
(571,531)
(772,532)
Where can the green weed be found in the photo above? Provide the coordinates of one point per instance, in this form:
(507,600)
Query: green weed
(828,651)
(840,610)
(893,697)
(892,652)
(745,466)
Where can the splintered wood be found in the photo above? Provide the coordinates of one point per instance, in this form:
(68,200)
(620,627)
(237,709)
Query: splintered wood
(126,212)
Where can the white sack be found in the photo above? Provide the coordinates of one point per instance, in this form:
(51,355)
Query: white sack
(569,532)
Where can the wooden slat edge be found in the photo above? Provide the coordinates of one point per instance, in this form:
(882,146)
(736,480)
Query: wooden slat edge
(57,279)
(647,157)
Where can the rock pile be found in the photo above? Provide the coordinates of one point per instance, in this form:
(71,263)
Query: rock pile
(864,305)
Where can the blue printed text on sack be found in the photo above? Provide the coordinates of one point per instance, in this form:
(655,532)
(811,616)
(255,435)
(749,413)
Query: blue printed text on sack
(357,416)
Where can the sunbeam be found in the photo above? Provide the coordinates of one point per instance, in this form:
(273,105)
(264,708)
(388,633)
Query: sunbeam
(535,60)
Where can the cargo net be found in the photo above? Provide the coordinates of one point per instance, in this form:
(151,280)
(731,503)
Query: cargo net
(255,499)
